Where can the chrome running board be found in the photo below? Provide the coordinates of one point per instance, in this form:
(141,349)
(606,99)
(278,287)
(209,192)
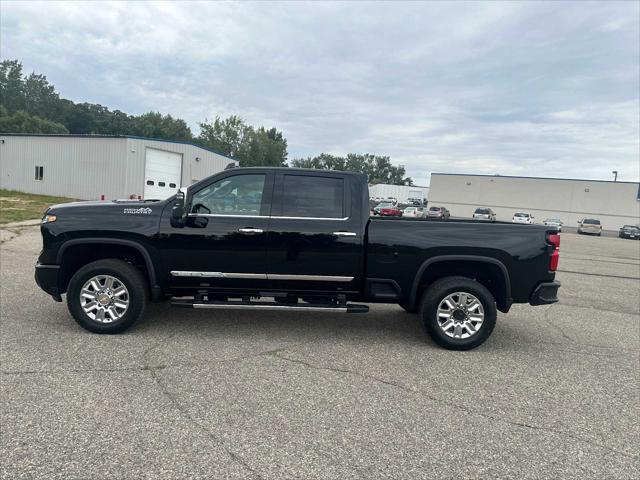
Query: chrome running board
(299,307)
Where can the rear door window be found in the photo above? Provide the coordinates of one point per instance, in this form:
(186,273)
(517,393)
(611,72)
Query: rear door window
(313,196)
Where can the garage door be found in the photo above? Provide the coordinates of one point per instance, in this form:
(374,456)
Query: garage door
(162,173)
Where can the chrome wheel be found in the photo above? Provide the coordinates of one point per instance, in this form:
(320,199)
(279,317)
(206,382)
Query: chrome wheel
(460,315)
(104,298)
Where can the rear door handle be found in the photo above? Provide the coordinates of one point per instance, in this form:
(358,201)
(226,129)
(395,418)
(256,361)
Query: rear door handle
(345,234)
(250,230)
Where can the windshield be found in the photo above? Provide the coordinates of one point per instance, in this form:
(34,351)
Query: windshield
(484,211)
(630,227)
(552,220)
(591,221)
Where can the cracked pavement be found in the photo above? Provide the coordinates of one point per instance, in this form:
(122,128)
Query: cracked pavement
(554,393)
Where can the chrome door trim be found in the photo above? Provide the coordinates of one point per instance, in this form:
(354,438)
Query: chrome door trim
(310,278)
(345,234)
(185,273)
(222,215)
(342,219)
(260,276)
(249,230)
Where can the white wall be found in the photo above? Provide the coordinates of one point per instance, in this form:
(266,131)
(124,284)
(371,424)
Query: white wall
(400,192)
(85,167)
(74,166)
(614,204)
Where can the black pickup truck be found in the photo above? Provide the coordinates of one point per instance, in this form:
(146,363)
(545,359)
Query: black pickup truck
(290,239)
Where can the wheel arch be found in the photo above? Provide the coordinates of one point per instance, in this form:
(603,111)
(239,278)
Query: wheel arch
(140,249)
(465,265)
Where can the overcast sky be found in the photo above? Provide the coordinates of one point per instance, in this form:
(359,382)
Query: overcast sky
(514,88)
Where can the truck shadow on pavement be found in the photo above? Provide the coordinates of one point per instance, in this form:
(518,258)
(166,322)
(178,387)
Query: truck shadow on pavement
(383,325)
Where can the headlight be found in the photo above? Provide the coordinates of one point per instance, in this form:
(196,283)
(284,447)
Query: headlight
(49,218)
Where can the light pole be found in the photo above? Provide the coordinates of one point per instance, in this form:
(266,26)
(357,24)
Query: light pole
(615,175)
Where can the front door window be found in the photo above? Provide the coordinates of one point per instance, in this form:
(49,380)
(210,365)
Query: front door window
(236,195)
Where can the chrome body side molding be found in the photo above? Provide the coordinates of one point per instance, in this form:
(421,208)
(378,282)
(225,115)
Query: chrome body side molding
(309,278)
(183,273)
(260,276)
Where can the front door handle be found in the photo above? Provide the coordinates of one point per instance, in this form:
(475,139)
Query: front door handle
(345,234)
(250,230)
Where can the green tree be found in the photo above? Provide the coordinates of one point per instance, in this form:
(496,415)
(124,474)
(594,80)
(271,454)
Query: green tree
(156,125)
(250,146)
(22,122)
(41,98)
(12,95)
(378,168)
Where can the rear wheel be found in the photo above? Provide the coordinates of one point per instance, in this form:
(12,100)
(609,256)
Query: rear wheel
(107,296)
(458,313)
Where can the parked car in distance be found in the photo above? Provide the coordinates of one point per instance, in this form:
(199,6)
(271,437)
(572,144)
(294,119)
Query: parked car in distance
(590,225)
(483,213)
(520,217)
(629,231)
(381,205)
(553,222)
(416,202)
(390,211)
(438,212)
(414,212)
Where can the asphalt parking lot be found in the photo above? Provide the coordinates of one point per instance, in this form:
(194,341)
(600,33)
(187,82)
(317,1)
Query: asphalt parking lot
(554,393)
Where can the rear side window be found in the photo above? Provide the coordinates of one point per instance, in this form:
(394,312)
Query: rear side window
(319,197)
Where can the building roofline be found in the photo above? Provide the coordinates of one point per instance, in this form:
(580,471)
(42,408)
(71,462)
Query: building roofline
(393,185)
(532,178)
(135,137)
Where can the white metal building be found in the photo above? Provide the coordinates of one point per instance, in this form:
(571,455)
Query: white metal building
(89,166)
(613,203)
(400,192)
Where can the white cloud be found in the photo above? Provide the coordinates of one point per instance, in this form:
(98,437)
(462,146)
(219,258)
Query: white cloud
(512,88)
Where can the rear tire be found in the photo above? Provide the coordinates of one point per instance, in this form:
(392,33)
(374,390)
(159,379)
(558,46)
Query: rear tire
(454,321)
(107,296)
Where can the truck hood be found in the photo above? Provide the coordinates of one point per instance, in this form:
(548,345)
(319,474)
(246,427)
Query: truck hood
(106,216)
(102,206)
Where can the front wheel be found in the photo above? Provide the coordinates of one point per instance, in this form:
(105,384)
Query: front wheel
(458,313)
(107,296)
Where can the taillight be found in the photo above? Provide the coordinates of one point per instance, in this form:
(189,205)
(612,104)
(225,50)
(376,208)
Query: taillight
(554,239)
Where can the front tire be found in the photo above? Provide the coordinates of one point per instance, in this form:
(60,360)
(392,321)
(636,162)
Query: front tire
(107,296)
(458,313)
